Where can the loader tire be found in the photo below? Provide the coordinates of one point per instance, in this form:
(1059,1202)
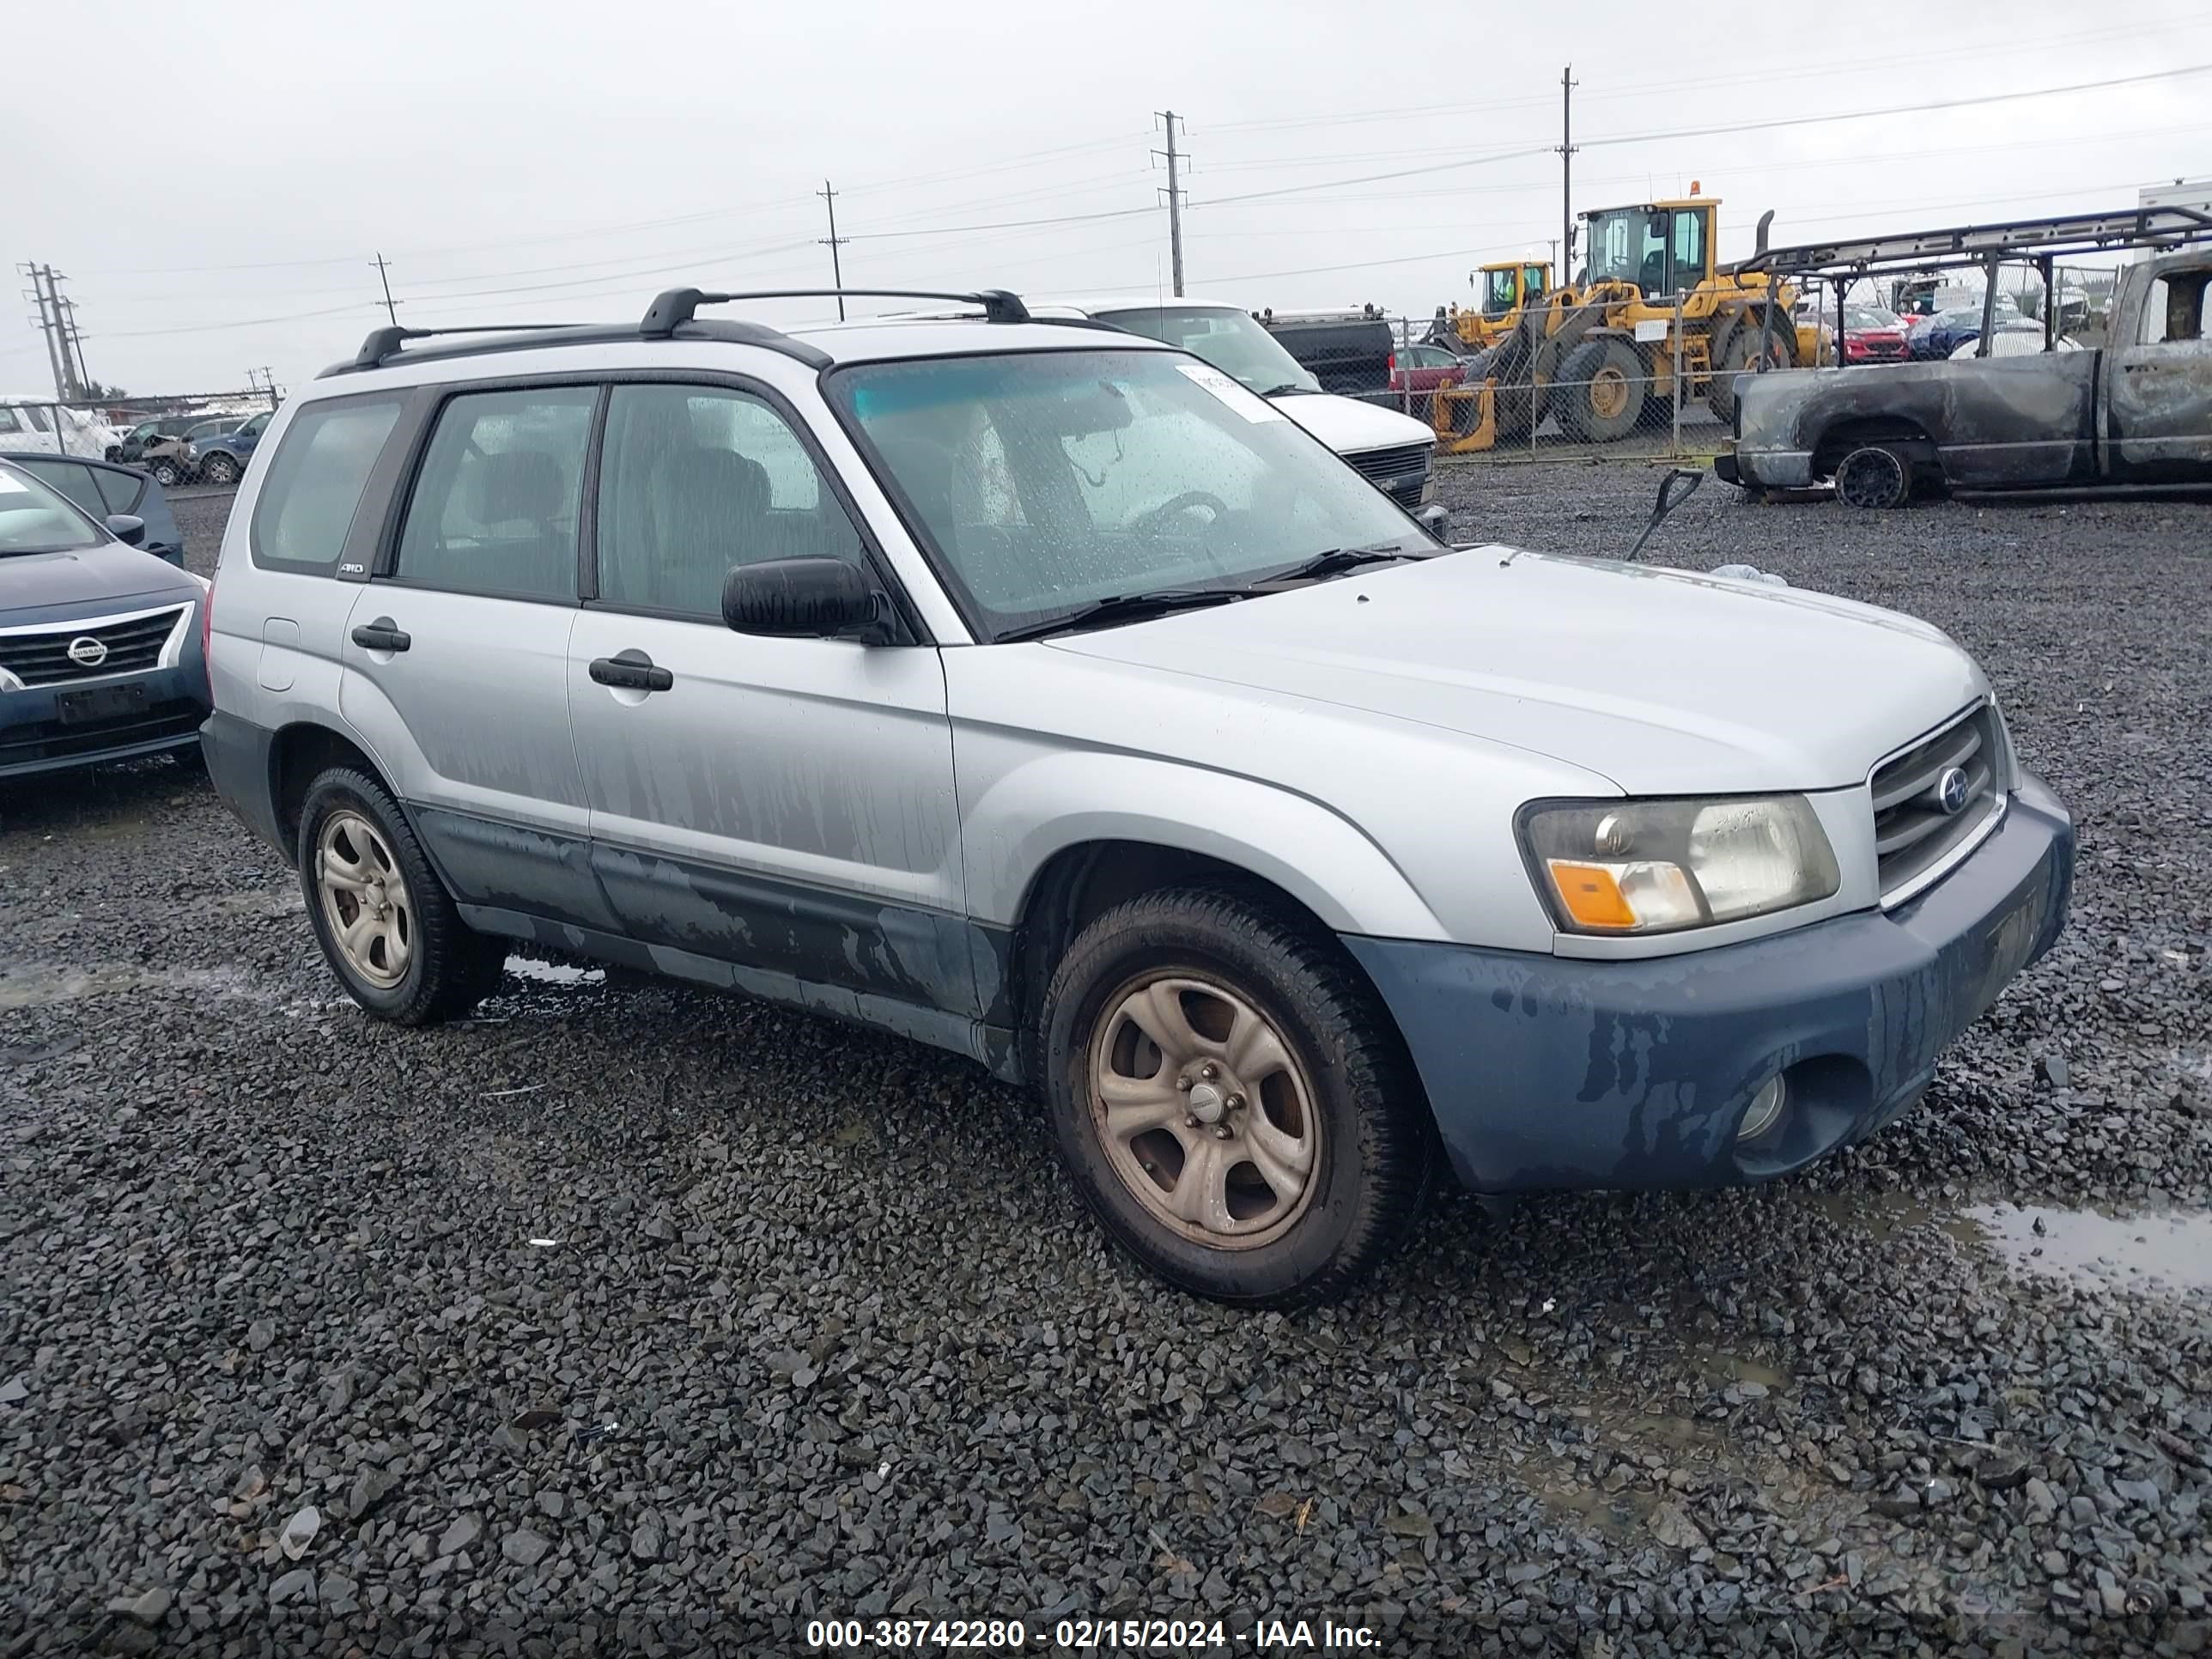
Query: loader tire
(1600,392)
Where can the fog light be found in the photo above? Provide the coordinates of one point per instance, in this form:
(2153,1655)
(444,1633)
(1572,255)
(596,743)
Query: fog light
(1765,1108)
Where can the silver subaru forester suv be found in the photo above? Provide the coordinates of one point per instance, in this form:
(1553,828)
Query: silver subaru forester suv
(1040,692)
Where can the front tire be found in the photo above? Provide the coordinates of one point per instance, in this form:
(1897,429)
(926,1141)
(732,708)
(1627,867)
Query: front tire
(1600,391)
(1232,1100)
(164,474)
(387,927)
(219,470)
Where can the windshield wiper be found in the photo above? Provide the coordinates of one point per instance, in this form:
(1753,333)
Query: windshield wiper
(1126,607)
(1285,390)
(1346,558)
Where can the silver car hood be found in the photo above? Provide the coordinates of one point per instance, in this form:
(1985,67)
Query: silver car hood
(1663,681)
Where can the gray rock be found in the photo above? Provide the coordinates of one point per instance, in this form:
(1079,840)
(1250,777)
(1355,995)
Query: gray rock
(1672,1525)
(148,1607)
(297,1585)
(460,1535)
(525,1547)
(644,1544)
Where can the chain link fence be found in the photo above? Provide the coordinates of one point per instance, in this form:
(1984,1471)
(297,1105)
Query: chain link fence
(1606,374)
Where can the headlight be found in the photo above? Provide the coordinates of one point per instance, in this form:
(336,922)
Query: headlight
(1653,866)
(192,452)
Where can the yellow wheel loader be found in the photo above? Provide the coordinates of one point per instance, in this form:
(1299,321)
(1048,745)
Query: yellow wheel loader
(1600,354)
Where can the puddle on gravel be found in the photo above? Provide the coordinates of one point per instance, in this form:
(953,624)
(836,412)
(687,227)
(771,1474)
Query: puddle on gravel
(1735,1368)
(38,985)
(1883,1216)
(554,973)
(2171,1249)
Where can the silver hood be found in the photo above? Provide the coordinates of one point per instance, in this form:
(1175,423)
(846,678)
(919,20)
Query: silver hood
(1664,681)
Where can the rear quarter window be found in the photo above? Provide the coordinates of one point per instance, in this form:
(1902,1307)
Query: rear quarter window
(315,482)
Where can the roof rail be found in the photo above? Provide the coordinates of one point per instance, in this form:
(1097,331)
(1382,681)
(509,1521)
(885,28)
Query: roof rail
(679,305)
(383,343)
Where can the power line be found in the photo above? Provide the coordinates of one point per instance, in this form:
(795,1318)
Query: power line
(1659,134)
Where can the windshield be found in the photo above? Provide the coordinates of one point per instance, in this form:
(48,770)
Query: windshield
(1228,338)
(1503,294)
(1046,481)
(1624,249)
(35,520)
(1868,317)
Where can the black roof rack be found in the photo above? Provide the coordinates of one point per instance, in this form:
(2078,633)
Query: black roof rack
(2018,240)
(673,310)
(383,343)
(679,305)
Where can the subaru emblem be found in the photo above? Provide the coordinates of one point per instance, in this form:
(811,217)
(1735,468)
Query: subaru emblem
(86,652)
(1951,791)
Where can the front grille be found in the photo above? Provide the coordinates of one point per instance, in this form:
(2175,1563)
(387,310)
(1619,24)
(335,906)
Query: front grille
(1402,469)
(37,741)
(41,656)
(1917,834)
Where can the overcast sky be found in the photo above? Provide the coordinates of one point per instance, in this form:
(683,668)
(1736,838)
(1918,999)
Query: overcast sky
(215,185)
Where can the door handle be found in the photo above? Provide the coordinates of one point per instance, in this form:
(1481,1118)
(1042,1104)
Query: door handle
(630,671)
(381,635)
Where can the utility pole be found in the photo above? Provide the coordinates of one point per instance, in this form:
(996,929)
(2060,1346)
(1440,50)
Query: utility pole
(46,327)
(1567,169)
(834,241)
(391,306)
(72,341)
(1174,203)
(263,380)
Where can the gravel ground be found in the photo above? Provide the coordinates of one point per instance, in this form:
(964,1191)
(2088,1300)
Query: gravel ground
(625,1318)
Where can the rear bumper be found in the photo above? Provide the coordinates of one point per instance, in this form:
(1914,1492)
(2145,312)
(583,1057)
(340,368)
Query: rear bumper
(34,739)
(238,765)
(1545,1072)
(1769,468)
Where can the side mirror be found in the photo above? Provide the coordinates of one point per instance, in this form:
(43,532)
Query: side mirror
(1434,518)
(801,598)
(127,528)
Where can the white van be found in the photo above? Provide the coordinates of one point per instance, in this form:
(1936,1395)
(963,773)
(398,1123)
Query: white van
(1396,453)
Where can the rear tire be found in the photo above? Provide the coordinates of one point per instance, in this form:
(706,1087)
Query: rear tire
(387,927)
(1271,1146)
(1875,477)
(1600,391)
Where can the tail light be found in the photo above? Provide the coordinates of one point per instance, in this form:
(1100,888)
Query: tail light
(207,625)
(1392,362)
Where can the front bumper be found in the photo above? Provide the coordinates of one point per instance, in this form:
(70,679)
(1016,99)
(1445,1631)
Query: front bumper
(1548,1071)
(34,738)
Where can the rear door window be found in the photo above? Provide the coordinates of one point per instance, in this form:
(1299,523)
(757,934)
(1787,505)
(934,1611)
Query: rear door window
(73,481)
(496,503)
(315,483)
(121,490)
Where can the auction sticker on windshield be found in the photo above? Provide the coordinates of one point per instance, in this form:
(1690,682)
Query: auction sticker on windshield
(1248,403)
(11,486)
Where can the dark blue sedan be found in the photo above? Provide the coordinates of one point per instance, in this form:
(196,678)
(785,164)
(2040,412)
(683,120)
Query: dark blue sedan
(102,652)
(1934,338)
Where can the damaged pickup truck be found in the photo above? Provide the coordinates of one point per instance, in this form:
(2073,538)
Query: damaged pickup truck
(2136,411)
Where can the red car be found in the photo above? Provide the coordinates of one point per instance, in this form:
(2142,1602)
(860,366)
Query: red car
(1872,335)
(1420,369)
